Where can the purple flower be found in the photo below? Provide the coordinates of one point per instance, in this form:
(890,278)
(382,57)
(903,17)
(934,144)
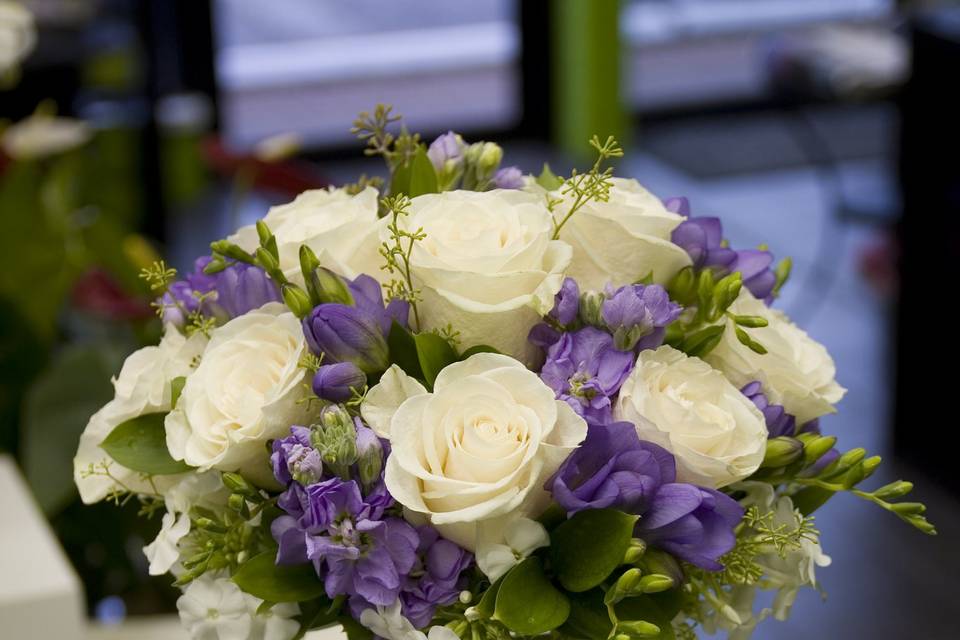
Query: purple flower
(236,290)
(677,205)
(638,314)
(343,333)
(755,267)
(692,523)
(508,178)
(612,469)
(295,456)
(566,304)
(448,147)
(779,422)
(368,298)
(702,239)
(336,382)
(440,578)
(585,370)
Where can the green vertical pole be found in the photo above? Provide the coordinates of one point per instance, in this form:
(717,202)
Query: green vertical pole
(587,97)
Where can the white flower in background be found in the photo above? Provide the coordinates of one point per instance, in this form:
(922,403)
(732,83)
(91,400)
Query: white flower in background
(521,537)
(388,623)
(18,35)
(142,387)
(479,447)
(622,240)
(244,392)
(339,227)
(684,405)
(196,489)
(796,371)
(487,265)
(42,135)
(213,607)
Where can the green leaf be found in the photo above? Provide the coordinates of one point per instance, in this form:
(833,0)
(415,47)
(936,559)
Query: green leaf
(589,546)
(403,350)
(260,576)
(528,603)
(479,348)
(702,342)
(488,602)
(548,179)
(749,342)
(400,181)
(649,609)
(141,444)
(423,177)
(176,388)
(355,630)
(434,353)
(588,616)
(317,614)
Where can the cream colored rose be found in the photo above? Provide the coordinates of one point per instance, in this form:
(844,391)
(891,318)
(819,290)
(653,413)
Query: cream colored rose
(684,405)
(244,392)
(18,35)
(487,265)
(339,227)
(479,447)
(622,240)
(142,387)
(796,371)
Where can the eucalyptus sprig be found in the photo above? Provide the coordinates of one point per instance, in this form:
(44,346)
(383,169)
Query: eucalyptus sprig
(373,128)
(159,277)
(396,253)
(592,186)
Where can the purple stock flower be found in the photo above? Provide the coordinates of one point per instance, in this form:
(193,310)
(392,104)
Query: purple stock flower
(508,178)
(692,523)
(565,311)
(440,577)
(295,456)
(702,239)
(585,370)
(336,382)
(448,147)
(612,468)
(638,314)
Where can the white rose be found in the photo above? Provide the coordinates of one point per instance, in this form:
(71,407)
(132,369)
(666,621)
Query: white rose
(244,392)
(339,227)
(142,387)
(487,265)
(796,371)
(40,136)
(622,240)
(18,34)
(480,446)
(684,405)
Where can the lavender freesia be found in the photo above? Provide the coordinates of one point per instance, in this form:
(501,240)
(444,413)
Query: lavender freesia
(508,178)
(236,290)
(638,315)
(337,382)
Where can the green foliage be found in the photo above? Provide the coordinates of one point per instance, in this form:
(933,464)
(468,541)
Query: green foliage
(528,603)
(548,179)
(433,353)
(140,444)
(592,186)
(262,577)
(587,548)
(403,350)
(416,177)
(396,253)
(477,348)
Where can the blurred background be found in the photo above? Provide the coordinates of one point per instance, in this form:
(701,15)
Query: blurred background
(134,129)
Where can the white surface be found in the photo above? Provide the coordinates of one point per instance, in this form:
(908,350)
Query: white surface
(168,628)
(40,595)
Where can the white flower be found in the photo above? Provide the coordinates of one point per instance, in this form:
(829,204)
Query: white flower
(480,446)
(194,489)
(622,240)
(681,403)
(339,227)
(383,400)
(796,371)
(18,35)
(142,387)
(388,623)
(214,608)
(41,135)
(244,392)
(522,536)
(487,265)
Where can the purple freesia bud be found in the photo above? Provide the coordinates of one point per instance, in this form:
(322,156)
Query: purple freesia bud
(508,178)
(242,288)
(691,523)
(585,370)
(347,334)
(678,205)
(368,297)
(758,276)
(702,239)
(177,302)
(448,147)
(336,382)
(612,469)
(638,315)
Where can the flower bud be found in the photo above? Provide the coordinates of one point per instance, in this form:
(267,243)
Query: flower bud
(508,178)
(337,382)
(296,299)
(230,250)
(236,484)
(268,262)
(635,551)
(591,304)
(908,508)
(662,563)
(655,583)
(781,452)
(817,447)
(336,438)
(369,455)
(347,334)
(896,489)
(638,629)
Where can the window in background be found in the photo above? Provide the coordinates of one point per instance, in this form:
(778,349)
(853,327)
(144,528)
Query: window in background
(308,66)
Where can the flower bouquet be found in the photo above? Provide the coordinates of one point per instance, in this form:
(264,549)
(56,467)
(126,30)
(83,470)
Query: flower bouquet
(471,403)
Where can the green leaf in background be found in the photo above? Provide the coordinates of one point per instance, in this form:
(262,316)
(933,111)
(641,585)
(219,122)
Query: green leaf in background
(56,410)
(403,350)
(434,353)
(479,348)
(589,546)
(260,576)
(528,603)
(400,181)
(423,177)
(141,444)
